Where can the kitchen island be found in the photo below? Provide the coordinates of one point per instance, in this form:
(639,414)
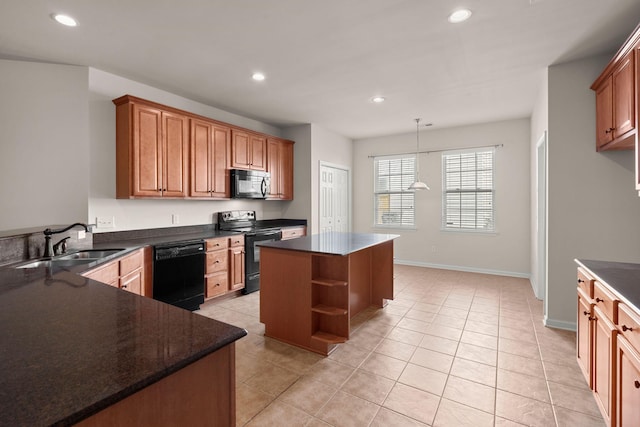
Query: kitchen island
(76,351)
(311,287)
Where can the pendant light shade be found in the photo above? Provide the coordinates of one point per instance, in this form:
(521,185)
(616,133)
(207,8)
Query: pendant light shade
(418,185)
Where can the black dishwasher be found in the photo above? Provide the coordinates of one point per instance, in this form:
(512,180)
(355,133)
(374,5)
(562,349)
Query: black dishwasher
(178,273)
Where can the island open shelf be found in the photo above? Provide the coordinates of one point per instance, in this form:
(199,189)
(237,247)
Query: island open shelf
(311,287)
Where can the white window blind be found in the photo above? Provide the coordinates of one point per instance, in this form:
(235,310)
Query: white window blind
(394,204)
(468,192)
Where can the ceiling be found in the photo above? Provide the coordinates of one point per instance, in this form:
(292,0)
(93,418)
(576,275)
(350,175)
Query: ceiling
(325,60)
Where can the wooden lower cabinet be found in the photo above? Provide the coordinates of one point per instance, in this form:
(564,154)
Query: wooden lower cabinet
(293,232)
(200,394)
(216,268)
(628,386)
(224,271)
(584,335)
(604,364)
(127,273)
(236,267)
(608,339)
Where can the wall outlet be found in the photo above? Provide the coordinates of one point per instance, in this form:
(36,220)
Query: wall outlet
(81,234)
(434,249)
(175,219)
(105,222)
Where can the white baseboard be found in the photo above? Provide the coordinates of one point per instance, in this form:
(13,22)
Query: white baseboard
(461,268)
(560,324)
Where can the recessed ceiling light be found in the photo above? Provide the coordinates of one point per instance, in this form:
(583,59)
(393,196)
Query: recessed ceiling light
(459,15)
(378,99)
(64,19)
(258,77)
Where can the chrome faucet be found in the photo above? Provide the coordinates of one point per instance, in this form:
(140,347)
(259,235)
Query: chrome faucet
(48,245)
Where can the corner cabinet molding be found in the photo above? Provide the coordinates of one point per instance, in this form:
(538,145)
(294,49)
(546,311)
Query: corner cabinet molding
(616,99)
(164,152)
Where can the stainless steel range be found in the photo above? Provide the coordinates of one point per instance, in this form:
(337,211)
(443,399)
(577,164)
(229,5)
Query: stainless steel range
(245,222)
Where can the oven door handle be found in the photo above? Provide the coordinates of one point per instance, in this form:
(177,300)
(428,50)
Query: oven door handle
(268,234)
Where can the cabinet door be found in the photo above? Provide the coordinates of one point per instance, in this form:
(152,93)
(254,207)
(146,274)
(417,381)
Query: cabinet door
(236,268)
(624,114)
(628,384)
(147,151)
(220,162)
(175,138)
(240,151)
(258,157)
(286,171)
(604,350)
(583,345)
(132,282)
(604,114)
(273,167)
(200,143)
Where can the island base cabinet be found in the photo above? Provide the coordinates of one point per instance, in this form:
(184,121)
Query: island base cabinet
(309,298)
(201,394)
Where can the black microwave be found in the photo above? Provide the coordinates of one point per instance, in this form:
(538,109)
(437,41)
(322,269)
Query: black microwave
(247,184)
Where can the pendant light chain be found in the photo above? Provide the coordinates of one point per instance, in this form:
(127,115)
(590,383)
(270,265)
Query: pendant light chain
(418,185)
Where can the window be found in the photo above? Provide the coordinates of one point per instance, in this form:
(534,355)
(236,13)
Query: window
(468,192)
(394,204)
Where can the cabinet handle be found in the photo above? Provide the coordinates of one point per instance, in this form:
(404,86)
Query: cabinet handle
(599,300)
(586,313)
(580,281)
(636,383)
(626,328)
(593,318)
(124,286)
(609,130)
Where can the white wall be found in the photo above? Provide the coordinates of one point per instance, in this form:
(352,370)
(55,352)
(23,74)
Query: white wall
(593,207)
(314,144)
(507,251)
(539,125)
(44,151)
(140,214)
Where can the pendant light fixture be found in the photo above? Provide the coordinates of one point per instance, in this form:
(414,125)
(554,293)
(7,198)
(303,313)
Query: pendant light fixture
(418,185)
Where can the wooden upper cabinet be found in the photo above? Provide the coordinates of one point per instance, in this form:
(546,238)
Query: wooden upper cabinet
(280,166)
(210,153)
(248,151)
(165,152)
(616,114)
(151,150)
(175,140)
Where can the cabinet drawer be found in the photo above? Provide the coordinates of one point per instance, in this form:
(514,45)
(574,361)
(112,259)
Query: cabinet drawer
(605,301)
(216,261)
(216,284)
(629,324)
(293,232)
(216,244)
(106,274)
(130,263)
(585,282)
(236,241)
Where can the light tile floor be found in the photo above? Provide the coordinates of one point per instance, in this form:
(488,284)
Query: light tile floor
(452,349)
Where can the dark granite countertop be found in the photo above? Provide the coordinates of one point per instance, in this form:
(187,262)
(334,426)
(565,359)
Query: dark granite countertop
(623,278)
(333,243)
(71,346)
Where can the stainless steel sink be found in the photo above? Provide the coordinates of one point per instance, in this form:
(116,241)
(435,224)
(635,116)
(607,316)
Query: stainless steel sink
(76,258)
(57,263)
(89,254)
